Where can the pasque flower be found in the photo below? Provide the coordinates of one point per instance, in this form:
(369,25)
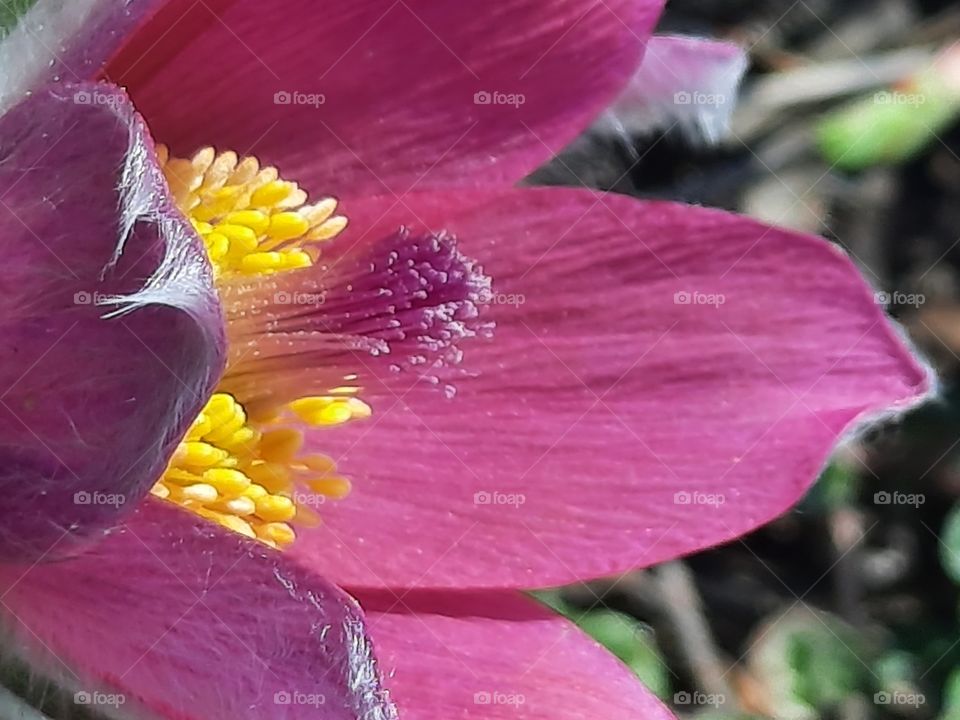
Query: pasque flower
(319,339)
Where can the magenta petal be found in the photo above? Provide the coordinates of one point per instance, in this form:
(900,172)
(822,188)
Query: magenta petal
(113,337)
(661,378)
(381,96)
(682,81)
(187,620)
(65,41)
(497,655)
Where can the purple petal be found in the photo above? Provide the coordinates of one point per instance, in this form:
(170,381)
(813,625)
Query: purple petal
(113,332)
(377,96)
(181,618)
(660,378)
(497,655)
(682,81)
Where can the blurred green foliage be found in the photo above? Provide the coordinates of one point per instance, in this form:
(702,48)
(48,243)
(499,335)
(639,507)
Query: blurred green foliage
(10,10)
(950,545)
(892,125)
(804,662)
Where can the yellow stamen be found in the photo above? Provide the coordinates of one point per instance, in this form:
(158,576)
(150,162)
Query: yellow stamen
(251,221)
(249,487)
(246,473)
(329,410)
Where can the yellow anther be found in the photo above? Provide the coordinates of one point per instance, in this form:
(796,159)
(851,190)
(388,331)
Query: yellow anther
(238,441)
(160,490)
(275,477)
(200,426)
(179,476)
(294,259)
(199,454)
(237,506)
(227,481)
(262,262)
(359,409)
(202,160)
(272,193)
(231,522)
(319,464)
(326,410)
(238,235)
(277,532)
(287,225)
(220,170)
(245,171)
(275,508)
(221,408)
(318,212)
(281,445)
(217,246)
(255,492)
(201,493)
(333,487)
(254,219)
(330,229)
(226,429)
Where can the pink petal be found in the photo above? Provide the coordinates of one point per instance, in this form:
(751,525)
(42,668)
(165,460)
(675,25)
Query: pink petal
(381,96)
(65,41)
(186,620)
(608,389)
(497,655)
(113,336)
(682,81)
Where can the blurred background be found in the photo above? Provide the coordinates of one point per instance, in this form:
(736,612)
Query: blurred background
(847,607)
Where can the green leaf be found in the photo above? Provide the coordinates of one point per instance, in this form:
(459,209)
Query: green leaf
(892,125)
(950,544)
(837,486)
(951,697)
(10,12)
(807,663)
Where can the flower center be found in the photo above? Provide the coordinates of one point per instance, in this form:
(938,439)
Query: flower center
(247,473)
